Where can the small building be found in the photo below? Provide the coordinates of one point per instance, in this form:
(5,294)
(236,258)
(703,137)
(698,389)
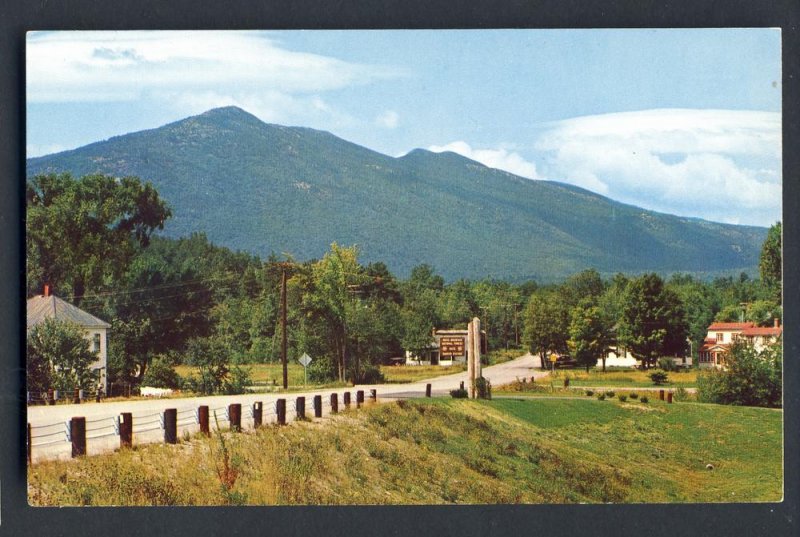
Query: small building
(447,347)
(48,306)
(720,336)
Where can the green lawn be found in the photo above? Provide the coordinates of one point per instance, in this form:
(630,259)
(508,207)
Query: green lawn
(625,378)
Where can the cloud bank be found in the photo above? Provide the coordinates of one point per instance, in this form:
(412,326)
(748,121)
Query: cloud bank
(721,165)
(500,158)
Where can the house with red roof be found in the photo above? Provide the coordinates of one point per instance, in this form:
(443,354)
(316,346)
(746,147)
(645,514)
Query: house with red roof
(721,335)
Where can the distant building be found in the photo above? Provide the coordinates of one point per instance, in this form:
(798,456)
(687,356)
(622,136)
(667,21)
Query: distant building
(447,347)
(47,306)
(721,335)
(621,357)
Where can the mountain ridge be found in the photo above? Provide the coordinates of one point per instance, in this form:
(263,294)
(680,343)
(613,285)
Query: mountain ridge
(264,188)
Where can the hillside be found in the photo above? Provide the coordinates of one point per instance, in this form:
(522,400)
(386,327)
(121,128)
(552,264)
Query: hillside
(268,188)
(450,451)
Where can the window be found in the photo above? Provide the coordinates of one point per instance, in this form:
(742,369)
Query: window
(720,337)
(96,343)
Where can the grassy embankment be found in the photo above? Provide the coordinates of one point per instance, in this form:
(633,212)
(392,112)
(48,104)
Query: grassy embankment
(449,451)
(629,378)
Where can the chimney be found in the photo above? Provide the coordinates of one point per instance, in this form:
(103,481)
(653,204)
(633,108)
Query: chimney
(777,323)
(47,289)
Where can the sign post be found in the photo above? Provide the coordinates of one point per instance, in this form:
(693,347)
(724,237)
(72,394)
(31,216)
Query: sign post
(305,360)
(553,360)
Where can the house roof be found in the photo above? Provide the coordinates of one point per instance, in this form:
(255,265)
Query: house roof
(730,326)
(763,331)
(43,307)
(710,346)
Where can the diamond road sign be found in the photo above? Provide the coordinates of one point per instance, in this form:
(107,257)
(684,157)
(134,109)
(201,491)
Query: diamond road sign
(304,360)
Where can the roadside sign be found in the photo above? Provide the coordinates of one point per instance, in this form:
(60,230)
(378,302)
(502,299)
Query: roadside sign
(304,360)
(451,346)
(553,358)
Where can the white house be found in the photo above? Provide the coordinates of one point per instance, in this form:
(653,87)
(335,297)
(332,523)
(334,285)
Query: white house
(47,306)
(721,335)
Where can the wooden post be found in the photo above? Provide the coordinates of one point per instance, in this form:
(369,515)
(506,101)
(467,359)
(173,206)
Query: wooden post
(126,430)
(334,403)
(300,407)
(317,406)
(280,410)
(202,417)
(284,341)
(171,426)
(661,394)
(51,396)
(258,414)
(470,360)
(76,396)
(77,432)
(669,397)
(476,334)
(427,390)
(359,398)
(373,394)
(29,445)
(347,399)
(235,416)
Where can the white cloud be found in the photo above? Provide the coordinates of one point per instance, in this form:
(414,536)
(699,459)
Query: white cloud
(388,119)
(494,158)
(721,165)
(102,65)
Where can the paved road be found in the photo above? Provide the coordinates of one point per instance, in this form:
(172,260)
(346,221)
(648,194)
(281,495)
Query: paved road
(50,423)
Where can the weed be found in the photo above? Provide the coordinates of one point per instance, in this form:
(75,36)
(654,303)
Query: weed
(601,397)
(622,397)
(644,399)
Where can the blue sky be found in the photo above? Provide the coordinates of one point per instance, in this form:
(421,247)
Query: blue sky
(681,121)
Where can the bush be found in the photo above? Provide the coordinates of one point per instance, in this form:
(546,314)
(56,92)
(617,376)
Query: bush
(483,388)
(459,393)
(160,374)
(633,395)
(681,394)
(644,399)
(589,393)
(667,364)
(658,377)
(371,375)
(751,378)
(601,397)
(238,382)
(622,397)
(610,393)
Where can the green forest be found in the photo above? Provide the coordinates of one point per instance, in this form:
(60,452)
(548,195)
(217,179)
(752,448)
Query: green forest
(188,301)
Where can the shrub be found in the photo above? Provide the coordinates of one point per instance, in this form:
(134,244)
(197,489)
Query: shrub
(483,388)
(371,375)
(601,397)
(622,397)
(458,393)
(160,374)
(633,395)
(610,393)
(681,394)
(239,381)
(658,377)
(644,399)
(751,378)
(589,393)
(667,364)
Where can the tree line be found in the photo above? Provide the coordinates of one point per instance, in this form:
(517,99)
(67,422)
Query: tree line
(186,300)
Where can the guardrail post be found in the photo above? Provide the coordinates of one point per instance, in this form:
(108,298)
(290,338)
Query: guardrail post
(202,417)
(235,416)
(300,407)
(661,394)
(317,406)
(55,396)
(51,396)
(334,403)
(280,410)
(77,431)
(669,397)
(346,398)
(30,446)
(359,398)
(427,390)
(258,414)
(126,430)
(76,396)
(171,426)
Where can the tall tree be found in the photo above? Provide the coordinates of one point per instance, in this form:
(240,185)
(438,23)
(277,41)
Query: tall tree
(82,233)
(590,336)
(653,321)
(546,323)
(59,353)
(770,263)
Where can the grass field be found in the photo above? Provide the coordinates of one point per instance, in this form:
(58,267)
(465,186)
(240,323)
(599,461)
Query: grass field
(449,451)
(626,378)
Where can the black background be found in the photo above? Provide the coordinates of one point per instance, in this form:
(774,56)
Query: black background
(17,518)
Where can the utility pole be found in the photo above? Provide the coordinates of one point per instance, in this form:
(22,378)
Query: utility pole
(284,338)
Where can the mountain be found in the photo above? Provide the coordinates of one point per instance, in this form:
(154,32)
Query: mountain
(266,188)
